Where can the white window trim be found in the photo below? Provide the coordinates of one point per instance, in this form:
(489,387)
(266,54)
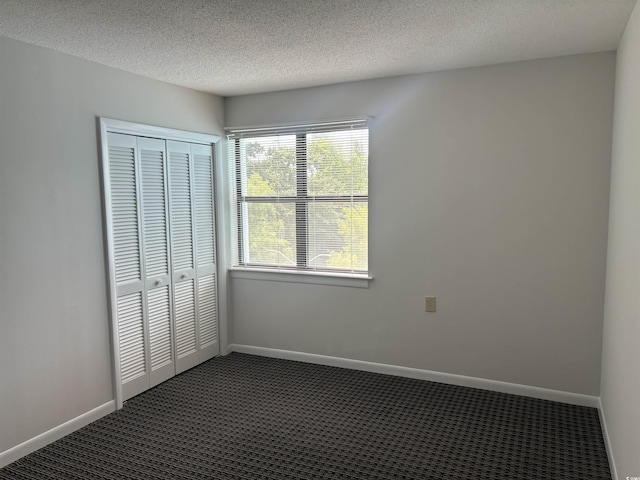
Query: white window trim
(296,276)
(315,277)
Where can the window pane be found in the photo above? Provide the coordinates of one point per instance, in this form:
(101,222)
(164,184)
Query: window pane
(271,233)
(337,162)
(269,165)
(338,235)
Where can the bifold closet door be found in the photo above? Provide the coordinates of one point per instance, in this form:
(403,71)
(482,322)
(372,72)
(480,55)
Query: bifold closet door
(193,253)
(155,230)
(138,204)
(159,201)
(126,241)
(202,161)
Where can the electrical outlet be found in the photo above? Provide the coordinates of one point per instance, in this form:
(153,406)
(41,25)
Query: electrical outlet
(430,304)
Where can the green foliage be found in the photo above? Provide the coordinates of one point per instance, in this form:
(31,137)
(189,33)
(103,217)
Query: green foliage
(354,226)
(277,166)
(330,171)
(271,238)
(258,186)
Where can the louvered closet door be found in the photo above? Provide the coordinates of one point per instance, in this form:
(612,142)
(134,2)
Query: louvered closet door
(193,253)
(155,249)
(206,290)
(123,201)
(183,253)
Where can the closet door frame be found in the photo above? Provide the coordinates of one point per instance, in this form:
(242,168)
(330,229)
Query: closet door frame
(222,225)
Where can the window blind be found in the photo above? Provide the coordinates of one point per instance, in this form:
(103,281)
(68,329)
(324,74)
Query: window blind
(301,197)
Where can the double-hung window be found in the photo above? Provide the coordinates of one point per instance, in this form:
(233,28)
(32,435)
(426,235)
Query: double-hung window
(301,198)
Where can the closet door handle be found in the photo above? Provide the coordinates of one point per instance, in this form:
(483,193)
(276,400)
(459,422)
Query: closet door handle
(184,275)
(159,282)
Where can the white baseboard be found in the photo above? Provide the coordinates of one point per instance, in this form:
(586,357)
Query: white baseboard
(33,444)
(607,441)
(452,379)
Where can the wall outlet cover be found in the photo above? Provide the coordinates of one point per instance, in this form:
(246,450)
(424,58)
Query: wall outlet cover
(430,304)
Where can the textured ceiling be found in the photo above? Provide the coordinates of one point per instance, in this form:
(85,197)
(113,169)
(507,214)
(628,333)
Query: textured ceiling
(232,47)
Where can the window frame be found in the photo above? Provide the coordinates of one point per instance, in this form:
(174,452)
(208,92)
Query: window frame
(301,272)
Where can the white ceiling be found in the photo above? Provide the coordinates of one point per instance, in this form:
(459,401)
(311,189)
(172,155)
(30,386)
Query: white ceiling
(233,47)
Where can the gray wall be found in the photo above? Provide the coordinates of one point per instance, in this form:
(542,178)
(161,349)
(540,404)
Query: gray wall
(55,356)
(489,188)
(620,389)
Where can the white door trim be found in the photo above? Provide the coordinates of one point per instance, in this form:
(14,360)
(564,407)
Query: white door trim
(109,125)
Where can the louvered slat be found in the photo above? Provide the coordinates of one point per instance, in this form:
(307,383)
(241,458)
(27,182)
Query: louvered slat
(131,337)
(159,327)
(124,214)
(181,226)
(203,182)
(154,213)
(185,318)
(207,310)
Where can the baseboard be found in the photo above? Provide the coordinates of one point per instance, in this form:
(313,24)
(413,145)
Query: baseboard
(452,379)
(607,441)
(25,448)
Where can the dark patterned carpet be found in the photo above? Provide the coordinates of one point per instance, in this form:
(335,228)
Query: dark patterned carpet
(246,417)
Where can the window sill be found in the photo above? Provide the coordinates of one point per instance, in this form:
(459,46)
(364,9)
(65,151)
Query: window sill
(314,278)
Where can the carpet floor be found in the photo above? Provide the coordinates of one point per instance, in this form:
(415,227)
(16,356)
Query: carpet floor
(246,417)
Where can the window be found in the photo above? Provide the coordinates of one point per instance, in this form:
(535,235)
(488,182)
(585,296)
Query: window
(301,198)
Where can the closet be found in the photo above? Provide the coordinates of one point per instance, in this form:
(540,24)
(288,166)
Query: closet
(160,228)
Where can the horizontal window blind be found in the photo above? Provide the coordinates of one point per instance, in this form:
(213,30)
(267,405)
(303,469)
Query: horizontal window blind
(301,197)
